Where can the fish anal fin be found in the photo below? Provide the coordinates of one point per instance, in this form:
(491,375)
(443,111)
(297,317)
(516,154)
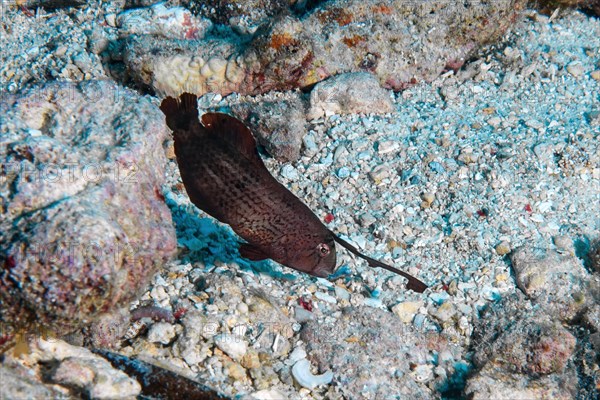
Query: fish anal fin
(252,253)
(234,133)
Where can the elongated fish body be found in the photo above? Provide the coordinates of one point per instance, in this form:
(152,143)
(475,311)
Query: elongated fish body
(224,175)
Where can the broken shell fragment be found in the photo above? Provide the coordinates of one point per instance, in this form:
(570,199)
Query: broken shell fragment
(302,375)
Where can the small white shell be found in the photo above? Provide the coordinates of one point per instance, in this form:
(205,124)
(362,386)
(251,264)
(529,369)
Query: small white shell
(232,345)
(422,373)
(302,375)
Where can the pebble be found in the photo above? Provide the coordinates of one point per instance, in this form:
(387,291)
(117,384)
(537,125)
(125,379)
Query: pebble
(535,124)
(236,372)
(342,293)
(289,172)
(388,146)
(310,145)
(268,394)
(437,167)
(162,332)
(444,312)
(595,75)
(232,345)
(564,244)
(379,173)
(406,311)
(250,360)
(366,219)
(325,283)
(495,121)
(326,297)
(503,248)
(491,293)
(428,197)
(296,355)
(301,315)
(439,297)
(464,308)
(576,69)
(343,173)
(423,373)
(419,321)
(371,302)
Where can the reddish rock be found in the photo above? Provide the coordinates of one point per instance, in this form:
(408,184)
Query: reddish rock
(83,225)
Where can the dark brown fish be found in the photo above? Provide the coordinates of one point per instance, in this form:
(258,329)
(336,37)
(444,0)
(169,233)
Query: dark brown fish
(224,175)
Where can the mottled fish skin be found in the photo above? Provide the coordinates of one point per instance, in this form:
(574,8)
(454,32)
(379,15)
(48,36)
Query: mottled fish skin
(233,185)
(224,175)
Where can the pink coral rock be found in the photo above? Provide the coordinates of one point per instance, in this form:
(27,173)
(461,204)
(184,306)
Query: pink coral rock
(83,221)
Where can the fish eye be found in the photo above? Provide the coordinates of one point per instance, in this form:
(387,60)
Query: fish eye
(323,249)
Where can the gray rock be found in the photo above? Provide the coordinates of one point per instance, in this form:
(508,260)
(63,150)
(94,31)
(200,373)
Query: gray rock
(532,344)
(83,222)
(77,367)
(490,383)
(18,383)
(159,20)
(373,354)
(351,93)
(107,331)
(243,16)
(96,377)
(278,125)
(162,332)
(401,43)
(522,352)
(557,282)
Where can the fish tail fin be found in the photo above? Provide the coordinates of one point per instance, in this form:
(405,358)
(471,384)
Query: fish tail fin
(413,283)
(180,113)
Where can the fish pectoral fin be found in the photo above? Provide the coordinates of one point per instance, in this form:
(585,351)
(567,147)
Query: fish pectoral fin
(252,253)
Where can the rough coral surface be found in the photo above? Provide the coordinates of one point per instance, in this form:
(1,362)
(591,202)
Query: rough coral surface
(401,43)
(373,355)
(522,351)
(351,93)
(244,16)
(278,125)
(535,268)
(84,224)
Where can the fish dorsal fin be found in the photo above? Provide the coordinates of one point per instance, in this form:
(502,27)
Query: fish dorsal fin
(413,283)
(234,133)
(181,113)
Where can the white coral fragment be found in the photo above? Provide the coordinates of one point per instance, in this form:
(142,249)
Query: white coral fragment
(302,375)
(171,23)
